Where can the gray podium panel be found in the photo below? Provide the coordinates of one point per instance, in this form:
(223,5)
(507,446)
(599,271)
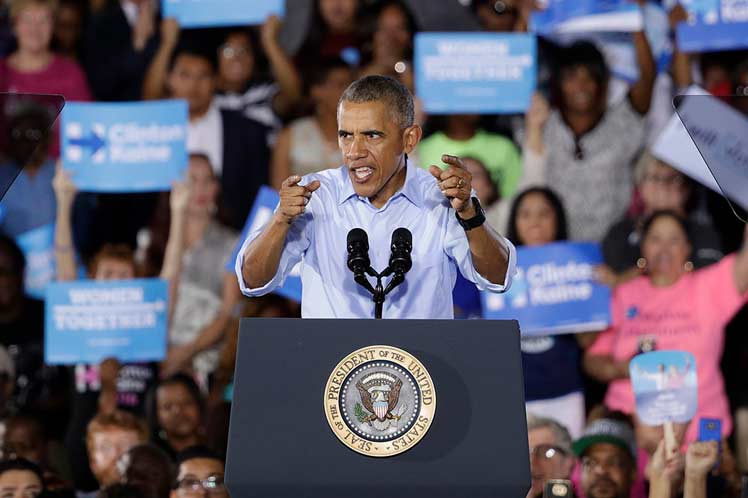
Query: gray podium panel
(280,443)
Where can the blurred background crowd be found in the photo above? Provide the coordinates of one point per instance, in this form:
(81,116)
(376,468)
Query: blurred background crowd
(262,106)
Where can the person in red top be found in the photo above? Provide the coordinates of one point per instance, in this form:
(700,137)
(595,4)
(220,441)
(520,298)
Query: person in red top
(33,67)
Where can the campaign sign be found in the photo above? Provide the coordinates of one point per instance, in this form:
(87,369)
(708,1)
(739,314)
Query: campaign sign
(476,73)
(586,16)
(665,386)
(265,203)
(125,147)
(554,291)
(38,245)
(707,140)
(713,25)
(618,47)
(213,13)
(87,321)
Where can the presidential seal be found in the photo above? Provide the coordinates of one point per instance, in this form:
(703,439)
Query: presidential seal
(380,401)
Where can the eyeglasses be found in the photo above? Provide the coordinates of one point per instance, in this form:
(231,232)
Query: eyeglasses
(547,452)
(504,9)
(230,52)
(589,464)
(191,486)
(666,180)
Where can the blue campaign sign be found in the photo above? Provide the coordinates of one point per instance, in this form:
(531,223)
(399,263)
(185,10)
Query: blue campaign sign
(265,203)
(586,16)
(213,13)
(618,47)
(38,247)
(713,25)
(87,321)
(477,73)
(665,386)
(125,147)
(554,291)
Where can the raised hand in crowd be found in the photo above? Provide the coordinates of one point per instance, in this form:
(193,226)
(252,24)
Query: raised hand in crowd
(681,64)
(65,192)
(145,26)
(283,70)
(701,458)
(665,471)
(535,118)
(154,83)
(108,372)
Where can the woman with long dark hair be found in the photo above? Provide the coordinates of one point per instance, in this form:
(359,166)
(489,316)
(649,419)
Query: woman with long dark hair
(553,379)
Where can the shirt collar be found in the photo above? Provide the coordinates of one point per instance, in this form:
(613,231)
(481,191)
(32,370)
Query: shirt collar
(409,189)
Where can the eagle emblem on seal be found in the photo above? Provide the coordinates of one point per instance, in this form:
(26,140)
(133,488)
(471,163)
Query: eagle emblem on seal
(380,393)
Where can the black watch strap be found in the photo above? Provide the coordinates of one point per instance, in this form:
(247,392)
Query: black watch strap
(476,220)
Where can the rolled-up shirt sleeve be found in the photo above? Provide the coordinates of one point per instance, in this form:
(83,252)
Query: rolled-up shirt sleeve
(457,248)
(297,242)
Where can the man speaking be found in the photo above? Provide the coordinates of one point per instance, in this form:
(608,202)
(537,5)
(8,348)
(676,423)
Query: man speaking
(378,191)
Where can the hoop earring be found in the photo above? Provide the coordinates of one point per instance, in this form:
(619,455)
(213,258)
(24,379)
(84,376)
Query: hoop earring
(688,266)
(641,263)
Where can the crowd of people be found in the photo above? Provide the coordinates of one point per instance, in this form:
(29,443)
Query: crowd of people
(576,166)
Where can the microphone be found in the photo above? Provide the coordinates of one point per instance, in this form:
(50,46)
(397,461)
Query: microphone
(358,257)
(402,244)
(400,261)
(358,251)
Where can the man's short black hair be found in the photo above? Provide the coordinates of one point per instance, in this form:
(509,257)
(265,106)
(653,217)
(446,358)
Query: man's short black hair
(23,465)
(386,89)
(193,49)
(194,452)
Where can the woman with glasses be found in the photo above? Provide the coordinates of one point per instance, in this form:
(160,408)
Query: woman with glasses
(660,187)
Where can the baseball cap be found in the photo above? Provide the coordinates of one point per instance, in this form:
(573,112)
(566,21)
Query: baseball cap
(607,430)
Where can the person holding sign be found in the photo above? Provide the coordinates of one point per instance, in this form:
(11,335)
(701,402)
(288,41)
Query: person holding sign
(553,381)
(677,309)
(194,245)
(586,160)
(377,190)
(238,86)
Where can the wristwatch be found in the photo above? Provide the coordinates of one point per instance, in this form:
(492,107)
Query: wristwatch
(475,221)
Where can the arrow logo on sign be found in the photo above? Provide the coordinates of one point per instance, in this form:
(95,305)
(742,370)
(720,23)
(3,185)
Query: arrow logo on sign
(94,142)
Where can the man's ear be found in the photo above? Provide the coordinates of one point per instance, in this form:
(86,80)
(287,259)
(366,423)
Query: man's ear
(411,136)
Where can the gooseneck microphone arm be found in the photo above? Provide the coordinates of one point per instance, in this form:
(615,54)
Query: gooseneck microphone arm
(399,264)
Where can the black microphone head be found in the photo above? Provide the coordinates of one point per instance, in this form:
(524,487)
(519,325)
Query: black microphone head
(357,236)
(402,244)
(402,235)
(358,250)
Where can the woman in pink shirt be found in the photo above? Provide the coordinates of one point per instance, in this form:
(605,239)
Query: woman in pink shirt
(33,67)
(678,309)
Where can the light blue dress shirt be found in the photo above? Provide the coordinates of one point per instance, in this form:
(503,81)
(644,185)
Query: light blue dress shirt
(318,239)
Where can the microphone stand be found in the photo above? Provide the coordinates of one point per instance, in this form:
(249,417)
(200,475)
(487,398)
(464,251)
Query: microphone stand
(379,292)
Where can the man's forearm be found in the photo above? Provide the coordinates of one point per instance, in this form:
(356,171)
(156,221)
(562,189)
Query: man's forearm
(490,253)
(262,257)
